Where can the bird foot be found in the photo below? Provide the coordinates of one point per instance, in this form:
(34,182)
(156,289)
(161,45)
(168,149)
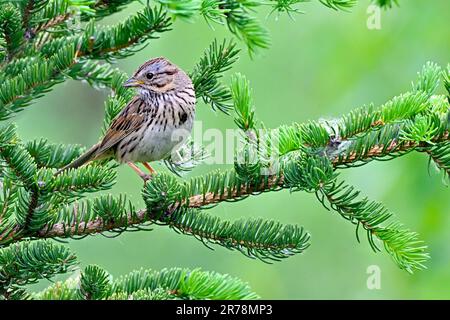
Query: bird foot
(146,177)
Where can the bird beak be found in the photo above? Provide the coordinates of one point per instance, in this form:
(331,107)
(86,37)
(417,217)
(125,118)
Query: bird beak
(132,83)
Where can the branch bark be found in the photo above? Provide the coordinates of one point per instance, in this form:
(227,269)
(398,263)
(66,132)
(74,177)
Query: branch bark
(274,182)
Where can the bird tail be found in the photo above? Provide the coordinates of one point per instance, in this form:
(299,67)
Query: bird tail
(81,160)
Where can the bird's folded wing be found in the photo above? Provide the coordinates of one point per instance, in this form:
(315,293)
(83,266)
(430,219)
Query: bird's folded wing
(129,120)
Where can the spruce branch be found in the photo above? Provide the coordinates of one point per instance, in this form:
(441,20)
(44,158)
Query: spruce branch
(86,179)
(167,284)
(186,284)
(216,60)
(403,245)
(245,26)
(29,9)
(386,3)
(10,28)
(36,79)
(255,238)
(94,283)
(105,8)
(19,165)
(339,4)
(243,103)
(27,262)
(52,155)
(440,155)
(125,38)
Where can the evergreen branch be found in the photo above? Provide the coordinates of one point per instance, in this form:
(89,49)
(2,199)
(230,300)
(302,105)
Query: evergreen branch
(339,4)
(84,179)
(8,200)
(167,284)
(446,77)
(17,164)
(124,38)
(94,283)
(39,77)
(51,23)
(29,9)
(440,154)
(265,240)
(246,27)
(81,222)
(67,290)
(36,79)
(316,174)
(105,213)
(104,8)
(186,284)
(3,50)
(243,103)
(27,262)
(403,246)
(365,119)
(238,15)
(428,78)
(216,60)
(196,193)
(386,3)
(16,66)
(50,155)
(385,148)
(368,119)
(226,186)
(11,28)
(56,12)
(184,9)
(95,73)
(255,238)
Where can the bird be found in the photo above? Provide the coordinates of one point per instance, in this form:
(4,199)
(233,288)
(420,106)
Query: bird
(156,121)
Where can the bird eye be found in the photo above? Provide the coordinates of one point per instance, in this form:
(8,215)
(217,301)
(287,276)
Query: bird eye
(149,76)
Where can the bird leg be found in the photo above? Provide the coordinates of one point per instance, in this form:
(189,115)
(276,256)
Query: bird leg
(149,167)
(141,174)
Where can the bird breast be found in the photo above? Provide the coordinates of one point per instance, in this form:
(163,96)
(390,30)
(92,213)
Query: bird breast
(164,131)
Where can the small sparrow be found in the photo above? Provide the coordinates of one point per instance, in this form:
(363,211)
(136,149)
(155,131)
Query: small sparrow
(157,120)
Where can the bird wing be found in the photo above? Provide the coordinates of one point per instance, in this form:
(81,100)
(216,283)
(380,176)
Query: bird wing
(128,120)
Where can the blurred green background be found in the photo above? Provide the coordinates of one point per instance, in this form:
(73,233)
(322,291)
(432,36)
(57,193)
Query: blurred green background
(321,65)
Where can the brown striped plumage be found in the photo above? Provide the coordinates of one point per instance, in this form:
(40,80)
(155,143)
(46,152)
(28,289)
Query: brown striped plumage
(153,123)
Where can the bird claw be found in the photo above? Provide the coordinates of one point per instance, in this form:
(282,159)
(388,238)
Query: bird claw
(146,177)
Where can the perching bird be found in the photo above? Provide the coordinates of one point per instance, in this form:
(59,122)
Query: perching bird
(153,123)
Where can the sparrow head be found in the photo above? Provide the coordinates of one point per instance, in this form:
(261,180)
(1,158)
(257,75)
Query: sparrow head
(158,75)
